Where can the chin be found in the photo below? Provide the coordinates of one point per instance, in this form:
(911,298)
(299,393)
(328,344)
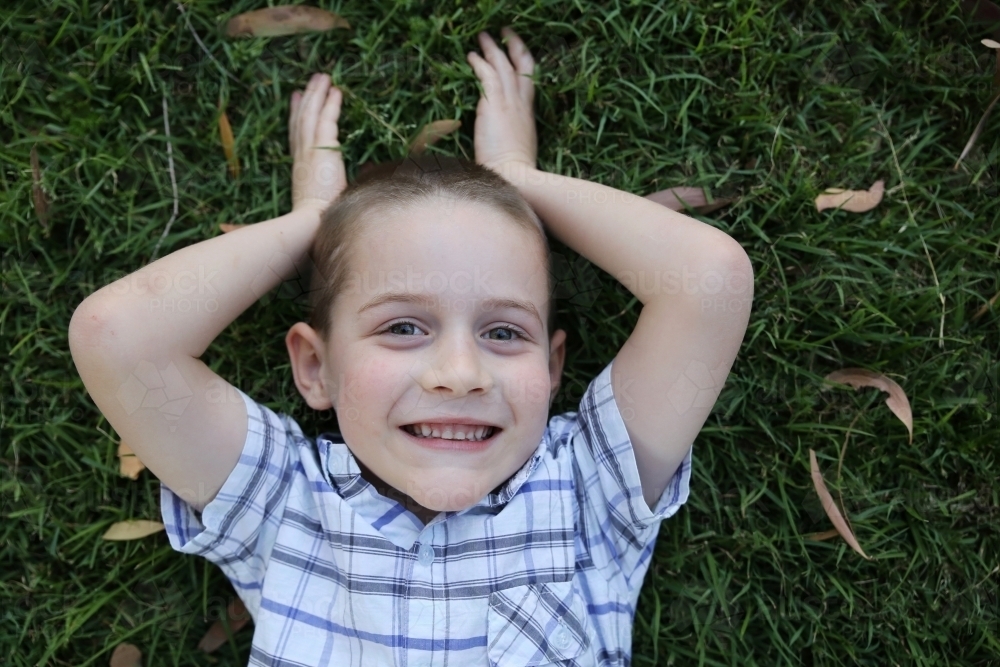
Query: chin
(444,494)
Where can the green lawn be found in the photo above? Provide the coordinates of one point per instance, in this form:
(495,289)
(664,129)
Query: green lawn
(768,102)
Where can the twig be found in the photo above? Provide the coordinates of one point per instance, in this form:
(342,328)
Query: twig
(173,177)
(913,220)
(202,44)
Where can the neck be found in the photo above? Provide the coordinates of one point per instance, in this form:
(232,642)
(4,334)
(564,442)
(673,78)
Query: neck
(422,513)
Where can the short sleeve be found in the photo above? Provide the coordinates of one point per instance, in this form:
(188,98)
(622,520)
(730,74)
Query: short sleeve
(238,528)
(620,523)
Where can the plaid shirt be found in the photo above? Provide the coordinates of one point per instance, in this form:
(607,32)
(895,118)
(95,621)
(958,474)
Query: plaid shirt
(546,569)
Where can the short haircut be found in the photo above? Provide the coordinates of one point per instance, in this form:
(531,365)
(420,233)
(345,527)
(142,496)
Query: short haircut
(399,185)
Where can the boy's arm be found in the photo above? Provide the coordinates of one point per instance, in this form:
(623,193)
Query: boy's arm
(136,342)
(694,281)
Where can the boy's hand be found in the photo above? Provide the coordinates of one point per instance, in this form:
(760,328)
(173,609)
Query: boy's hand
(505,117)
(318,174)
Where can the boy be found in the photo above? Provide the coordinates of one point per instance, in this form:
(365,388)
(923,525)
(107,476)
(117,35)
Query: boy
(518,541)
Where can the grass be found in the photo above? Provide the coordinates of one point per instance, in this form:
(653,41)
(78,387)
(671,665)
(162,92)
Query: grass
(771,103)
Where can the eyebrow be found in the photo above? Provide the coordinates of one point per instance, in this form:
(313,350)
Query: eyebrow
(426,301)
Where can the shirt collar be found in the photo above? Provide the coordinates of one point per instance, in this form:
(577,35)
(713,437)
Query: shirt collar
(344,475)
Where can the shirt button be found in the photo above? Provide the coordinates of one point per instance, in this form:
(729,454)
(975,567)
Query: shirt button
(425,556)
(561,639)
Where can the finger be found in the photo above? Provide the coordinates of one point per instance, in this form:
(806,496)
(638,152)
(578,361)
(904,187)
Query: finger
(293,114)
(492,88)
(524,64)
(311,105)
(327,131)
(498,59)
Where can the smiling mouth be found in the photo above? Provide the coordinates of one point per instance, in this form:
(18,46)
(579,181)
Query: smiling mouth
(451,432)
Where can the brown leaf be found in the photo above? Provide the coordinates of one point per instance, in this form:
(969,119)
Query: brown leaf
(897,401)
(237,615)
(855,201)
(983,12)
(126,655)
(229,144)
(830,507)
(979,130)
(284,20)
(132,530)
(38,197)
(825,535)
(129,464)
(227,227)
(985,307)
(431,133)
(675,198)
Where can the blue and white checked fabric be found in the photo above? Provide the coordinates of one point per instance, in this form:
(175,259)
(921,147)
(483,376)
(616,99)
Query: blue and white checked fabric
(546,569)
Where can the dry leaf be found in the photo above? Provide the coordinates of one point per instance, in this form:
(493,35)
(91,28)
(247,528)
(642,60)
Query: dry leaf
(431,133)
(830,507)
(825,535)
(897,401)
(132,530)
(983,12)
(675,198)
(237,615)
(989,108)
(126,655)
(284,20)
(129,464)
(855,201)
(38,197)
(229,144)
(979,130)
(227,227)
(985,307)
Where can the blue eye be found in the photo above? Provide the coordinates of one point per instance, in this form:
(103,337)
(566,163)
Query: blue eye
(409,325)
(511,330)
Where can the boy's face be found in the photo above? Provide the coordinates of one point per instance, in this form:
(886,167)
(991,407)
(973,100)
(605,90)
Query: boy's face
(444,354)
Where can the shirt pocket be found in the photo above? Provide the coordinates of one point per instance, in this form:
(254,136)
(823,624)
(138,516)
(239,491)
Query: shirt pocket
(537,624)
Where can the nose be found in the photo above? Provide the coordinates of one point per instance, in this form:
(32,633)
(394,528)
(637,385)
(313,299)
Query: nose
(456,367)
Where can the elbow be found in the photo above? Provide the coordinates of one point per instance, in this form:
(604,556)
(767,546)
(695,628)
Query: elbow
(90,328)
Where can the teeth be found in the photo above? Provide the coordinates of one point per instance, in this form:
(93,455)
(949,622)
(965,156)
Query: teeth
(450,431)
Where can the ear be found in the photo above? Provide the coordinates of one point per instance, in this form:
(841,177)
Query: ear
(307,353)
(557,355)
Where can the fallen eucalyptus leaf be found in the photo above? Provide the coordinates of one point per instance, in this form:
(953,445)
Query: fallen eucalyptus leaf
(284,20)
(897,401)
(237,615)
(129,464)
(976,132)
(431,133)
(132,530)
(990,44)
(855,201)
(229,144)
(38,198)
(830,507)
(676,198)
(126,655)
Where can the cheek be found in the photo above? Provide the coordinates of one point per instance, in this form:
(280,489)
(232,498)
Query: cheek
(528,388)
(371,382)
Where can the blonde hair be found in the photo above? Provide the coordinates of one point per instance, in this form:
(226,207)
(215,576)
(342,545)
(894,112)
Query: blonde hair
(397,185)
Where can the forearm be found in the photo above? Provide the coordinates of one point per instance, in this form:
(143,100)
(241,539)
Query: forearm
(650,249)
(180,303)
